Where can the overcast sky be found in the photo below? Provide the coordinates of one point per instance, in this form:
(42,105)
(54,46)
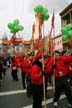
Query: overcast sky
(23,10)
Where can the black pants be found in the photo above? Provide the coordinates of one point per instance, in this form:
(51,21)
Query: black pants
(28,83)
(0,75)
(61,84)
(14,75)
(46,83)
(4,71)
(23,79)
(49,78)
(37,93)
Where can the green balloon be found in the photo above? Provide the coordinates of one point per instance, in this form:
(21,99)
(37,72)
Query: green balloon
(65,38)
(64,30)
(70,33)
(69,26)
(16,22)
(45,17)
(21,27)
(10,25)
(16,28)
(12,31)
(38,9)
(45,10)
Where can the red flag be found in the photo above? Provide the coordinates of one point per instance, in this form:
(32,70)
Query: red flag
(52,23)
(33,31)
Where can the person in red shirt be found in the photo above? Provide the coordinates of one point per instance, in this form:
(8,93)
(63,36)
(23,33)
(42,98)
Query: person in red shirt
(37,82)
(27,65)
(61,82)
(48,74)
(23,72)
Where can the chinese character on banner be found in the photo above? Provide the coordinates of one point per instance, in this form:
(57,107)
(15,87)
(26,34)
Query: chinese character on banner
(57,43)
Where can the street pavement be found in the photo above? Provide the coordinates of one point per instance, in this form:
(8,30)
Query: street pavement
(12,94)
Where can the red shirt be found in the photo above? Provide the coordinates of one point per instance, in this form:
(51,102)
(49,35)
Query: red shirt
(35,75)
(48,65)
(22,66)
(61,67)
(14,65)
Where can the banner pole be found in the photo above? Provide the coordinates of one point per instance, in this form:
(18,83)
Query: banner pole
(44,93)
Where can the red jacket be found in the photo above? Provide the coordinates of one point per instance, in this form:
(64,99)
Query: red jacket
(61,67)
(14,66)
(17,61)
(35,75)
(28,66)
(22,66)
(25,66)
(48,65)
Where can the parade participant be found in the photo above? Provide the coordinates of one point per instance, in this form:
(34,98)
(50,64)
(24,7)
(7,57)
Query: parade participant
(23,73)
(65,53)
(28,76)
(30,60)
(37,82)
(14,68)
(61,82)
(47,73)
